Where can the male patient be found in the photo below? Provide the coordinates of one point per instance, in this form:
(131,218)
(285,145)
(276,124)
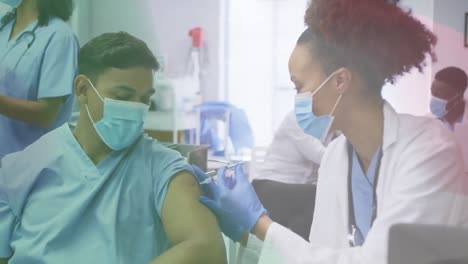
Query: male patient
(102,192)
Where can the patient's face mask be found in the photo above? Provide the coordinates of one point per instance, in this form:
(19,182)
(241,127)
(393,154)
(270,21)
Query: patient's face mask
(12,3)
(316,126)
(121,123)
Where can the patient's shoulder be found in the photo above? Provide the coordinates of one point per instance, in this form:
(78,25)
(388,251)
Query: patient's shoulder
(164,161)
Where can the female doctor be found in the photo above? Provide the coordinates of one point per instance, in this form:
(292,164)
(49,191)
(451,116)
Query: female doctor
(38,65)
(385,168)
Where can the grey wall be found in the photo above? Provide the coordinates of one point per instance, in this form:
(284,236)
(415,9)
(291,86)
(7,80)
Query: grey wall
(449,23)
(411,93)
(134,16)
(79,21)
(446,18)
(174,19)
(164,26)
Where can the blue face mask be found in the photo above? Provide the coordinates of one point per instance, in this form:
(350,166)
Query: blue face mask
(12,3)
(122,122)
(316,126)
(439,106)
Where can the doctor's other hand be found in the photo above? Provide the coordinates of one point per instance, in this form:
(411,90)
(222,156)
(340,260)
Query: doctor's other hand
(233,200)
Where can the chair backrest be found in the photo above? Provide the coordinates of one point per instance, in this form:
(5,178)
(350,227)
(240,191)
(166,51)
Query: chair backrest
(291,205)
(427,244)
(195,154)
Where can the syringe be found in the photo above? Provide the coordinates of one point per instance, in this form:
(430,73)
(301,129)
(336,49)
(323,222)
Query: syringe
(212,173)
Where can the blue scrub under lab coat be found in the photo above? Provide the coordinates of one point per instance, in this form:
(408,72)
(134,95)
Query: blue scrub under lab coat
(57,206)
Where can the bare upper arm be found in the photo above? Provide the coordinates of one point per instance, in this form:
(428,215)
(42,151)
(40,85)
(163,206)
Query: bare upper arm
(183,216)
(3,261)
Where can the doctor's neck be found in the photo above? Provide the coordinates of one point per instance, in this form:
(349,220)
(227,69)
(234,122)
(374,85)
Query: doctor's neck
(27,12)
(89,139)
(363,126)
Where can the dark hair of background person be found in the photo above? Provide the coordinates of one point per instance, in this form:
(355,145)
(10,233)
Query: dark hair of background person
(453,76)
(114,50)
(377,39)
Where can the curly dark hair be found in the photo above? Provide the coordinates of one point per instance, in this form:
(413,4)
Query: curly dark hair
(47,9)
(375,38)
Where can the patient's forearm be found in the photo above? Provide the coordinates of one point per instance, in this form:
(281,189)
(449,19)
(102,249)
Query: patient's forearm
(193,252)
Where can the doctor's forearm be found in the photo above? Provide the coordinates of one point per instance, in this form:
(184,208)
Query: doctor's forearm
(261,228)
(42,112)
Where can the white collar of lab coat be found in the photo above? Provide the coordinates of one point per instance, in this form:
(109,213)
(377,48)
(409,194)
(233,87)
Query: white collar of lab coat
(391,126)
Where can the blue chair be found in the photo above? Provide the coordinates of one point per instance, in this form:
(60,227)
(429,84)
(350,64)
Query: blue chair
(238,129)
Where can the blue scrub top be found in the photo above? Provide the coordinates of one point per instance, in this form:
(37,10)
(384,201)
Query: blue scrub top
(363,192)
(46,70)
(57,206)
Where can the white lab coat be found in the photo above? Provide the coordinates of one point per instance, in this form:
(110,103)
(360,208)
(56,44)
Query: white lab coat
(293,156)
(461,135)
(421,181)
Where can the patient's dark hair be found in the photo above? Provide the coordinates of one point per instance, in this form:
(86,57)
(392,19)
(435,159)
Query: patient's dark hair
(47,9)
(114,50)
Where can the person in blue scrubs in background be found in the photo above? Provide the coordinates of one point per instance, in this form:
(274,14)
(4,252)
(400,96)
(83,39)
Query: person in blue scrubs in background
(38,64)
(104,192)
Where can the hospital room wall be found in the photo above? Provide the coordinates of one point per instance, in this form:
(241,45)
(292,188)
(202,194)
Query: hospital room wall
(449,25)
(411,93)
(164,26)
(80,20)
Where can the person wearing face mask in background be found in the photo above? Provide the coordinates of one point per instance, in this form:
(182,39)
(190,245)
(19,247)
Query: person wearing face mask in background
(447,100)
(104,192)
(38,64)
(449,106)
(386,168)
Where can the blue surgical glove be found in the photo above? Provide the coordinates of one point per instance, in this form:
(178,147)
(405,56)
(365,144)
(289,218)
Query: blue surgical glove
(230,228)
(233,200)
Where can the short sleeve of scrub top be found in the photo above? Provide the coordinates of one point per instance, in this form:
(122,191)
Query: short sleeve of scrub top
(59,66)
(169,164)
